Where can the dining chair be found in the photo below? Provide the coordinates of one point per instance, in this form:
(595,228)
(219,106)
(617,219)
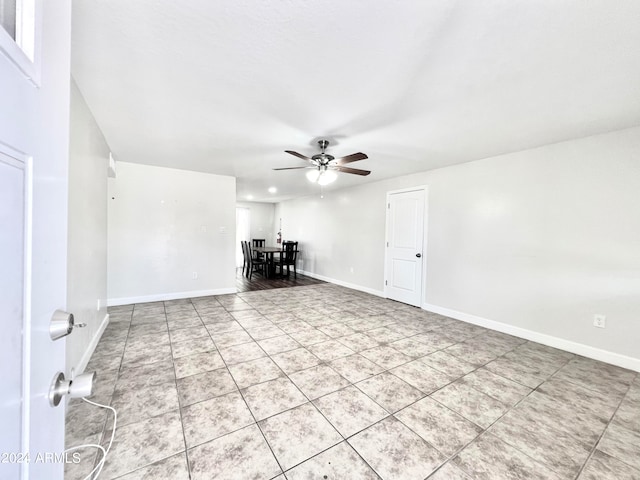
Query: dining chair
(258,242)
(257,264)
(288,257)
(245,261)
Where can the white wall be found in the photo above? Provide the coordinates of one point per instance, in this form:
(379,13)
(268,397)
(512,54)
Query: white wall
(164,225)
(87,227)
(337,233)
(262,220)
(538,241)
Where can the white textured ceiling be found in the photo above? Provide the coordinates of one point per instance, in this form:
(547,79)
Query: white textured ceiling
(226,86)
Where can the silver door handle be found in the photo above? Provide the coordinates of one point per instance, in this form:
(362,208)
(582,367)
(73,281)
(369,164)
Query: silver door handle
(80,386)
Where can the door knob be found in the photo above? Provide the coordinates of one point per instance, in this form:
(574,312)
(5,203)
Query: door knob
(418,255)
(80,386)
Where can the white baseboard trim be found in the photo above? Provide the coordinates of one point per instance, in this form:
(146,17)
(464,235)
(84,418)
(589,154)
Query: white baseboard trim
(112,302)
(377,293)
(84,360)
(606,356)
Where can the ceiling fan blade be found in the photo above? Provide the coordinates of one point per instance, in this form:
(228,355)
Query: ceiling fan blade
(296,154)
(349,158)
(291,168)
(355,171)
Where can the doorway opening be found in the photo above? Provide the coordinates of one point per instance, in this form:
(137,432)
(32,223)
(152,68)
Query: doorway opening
(243,232)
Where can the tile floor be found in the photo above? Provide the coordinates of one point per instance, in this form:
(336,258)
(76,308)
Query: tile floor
(323,382)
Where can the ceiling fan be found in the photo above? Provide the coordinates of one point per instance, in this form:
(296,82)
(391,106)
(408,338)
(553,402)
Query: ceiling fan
(325,165)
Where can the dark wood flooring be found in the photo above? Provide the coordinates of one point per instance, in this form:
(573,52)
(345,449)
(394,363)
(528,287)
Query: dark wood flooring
(259,283)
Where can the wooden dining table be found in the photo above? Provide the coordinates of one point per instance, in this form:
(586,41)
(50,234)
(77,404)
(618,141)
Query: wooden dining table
(269,253)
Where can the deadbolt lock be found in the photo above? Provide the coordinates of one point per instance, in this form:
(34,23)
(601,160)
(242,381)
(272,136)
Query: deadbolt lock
(62,324)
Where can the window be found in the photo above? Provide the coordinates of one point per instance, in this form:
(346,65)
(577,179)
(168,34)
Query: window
(8,16)
(18,35)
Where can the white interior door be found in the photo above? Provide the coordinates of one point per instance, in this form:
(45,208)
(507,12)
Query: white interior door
(34,139)
(404,258)
(13,176)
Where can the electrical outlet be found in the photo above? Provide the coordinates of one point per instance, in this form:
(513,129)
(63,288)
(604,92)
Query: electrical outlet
(351,270)
(98,305)
(194,275)
(599,320)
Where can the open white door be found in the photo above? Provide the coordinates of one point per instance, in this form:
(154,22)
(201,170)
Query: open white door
(404,258)
(34,139)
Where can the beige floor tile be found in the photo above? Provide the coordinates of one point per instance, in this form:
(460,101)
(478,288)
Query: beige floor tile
(350,411)
(242,353)
(389,391)
(254,371)
(198,363)
(604,467)
(355,368)
(241,454)
(442,428)
(299,434)
(489,458)
(395,452)
(172,468)
(157,363)
(295,360)
(317,381)
(385,356)
(500,388)
(213,418)
(203,386)
(554,448)
(472,404)
(339,462)
(272,397)
(421,376)
(143,443)
(330,350)
(275,345)
(622,444)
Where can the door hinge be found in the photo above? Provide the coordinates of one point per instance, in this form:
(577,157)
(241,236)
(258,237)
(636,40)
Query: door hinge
(388,205)
(385,282)
(387,244)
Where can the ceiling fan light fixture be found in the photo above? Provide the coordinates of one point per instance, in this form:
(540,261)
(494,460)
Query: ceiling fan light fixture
(312,175)
(324,165)
(326,177)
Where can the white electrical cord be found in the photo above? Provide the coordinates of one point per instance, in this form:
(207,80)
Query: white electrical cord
(90,445)
(93,474)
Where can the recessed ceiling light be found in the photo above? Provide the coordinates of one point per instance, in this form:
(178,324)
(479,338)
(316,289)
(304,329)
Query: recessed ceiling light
(249,197)
(273,189)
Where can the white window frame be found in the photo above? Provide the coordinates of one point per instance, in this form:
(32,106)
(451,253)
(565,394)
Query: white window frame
(24,51)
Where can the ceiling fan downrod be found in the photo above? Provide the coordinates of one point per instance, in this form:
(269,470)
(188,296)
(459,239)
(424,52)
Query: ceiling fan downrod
(323,144)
